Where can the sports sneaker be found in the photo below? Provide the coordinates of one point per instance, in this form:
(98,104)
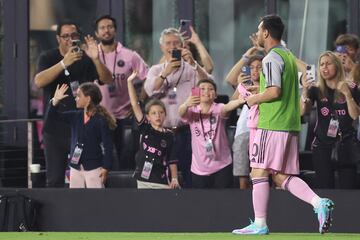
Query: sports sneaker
(252,229)
(324,214)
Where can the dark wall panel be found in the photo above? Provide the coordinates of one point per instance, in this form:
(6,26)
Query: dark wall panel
(181,210)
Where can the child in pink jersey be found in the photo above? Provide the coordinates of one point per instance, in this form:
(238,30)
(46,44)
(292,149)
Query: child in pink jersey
(244,89)
(211,156)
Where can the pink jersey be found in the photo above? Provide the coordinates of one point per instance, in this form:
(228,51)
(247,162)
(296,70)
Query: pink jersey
(253,115)
(121,63)
(203,128)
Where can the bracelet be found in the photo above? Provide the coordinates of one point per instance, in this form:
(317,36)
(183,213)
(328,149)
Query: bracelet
(63,64)
(174,179)
(162,77)
(64,67)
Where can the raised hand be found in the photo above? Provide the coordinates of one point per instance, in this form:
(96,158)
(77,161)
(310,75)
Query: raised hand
(243,79)
(60,93)
(71,56)
(91,48)
(255,42)
(132,76)
(343,87)
(192,101)
(194,36)
(187,56)
(172,66)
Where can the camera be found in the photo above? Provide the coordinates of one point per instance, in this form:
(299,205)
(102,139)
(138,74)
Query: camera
(76,44)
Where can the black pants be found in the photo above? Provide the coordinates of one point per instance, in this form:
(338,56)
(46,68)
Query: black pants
(56,150)
(220,179)
(182,144)
(344,165)
(126,142)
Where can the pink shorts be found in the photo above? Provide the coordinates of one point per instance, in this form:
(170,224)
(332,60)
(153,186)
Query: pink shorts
(251,138)
(276,151)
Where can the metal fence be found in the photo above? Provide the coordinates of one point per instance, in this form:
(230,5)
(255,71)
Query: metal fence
(20,146)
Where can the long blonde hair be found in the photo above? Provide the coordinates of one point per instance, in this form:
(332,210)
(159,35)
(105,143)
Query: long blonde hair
(92,90)
(340,75)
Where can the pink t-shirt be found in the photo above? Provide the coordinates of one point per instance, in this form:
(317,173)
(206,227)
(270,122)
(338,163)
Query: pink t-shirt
(253,114)
(214,128)
(121,62)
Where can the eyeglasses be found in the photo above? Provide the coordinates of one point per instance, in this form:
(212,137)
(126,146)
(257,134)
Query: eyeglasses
(109,27)
(67,37)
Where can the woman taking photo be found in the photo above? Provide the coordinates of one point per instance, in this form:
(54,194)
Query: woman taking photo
(337,107)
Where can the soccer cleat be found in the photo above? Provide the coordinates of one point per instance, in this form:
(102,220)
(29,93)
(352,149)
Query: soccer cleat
(252,229)
(324,214)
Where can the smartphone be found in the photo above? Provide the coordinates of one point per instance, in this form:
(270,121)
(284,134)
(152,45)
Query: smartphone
(341,49)
(246,70)
(185,28)
(176,53)
(195,91)
(76,44)
(311,73)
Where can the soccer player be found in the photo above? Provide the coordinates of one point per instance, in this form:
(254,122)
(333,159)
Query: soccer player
(275,148)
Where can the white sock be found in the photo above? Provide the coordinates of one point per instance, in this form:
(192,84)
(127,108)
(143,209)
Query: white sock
(260,222)
(315,201)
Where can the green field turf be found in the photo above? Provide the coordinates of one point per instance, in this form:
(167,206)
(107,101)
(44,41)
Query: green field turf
(170,236)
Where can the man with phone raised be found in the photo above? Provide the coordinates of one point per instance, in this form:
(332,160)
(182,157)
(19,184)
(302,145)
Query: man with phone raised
(172,82)
(63,65)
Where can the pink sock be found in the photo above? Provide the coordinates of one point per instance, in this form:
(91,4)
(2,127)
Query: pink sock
(298,188)
(260,194)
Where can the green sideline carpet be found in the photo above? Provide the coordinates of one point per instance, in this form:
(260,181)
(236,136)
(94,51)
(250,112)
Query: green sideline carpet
(170,236)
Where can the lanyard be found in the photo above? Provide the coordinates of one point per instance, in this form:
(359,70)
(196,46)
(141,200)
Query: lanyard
(115,58)
(202,126)
(181,73)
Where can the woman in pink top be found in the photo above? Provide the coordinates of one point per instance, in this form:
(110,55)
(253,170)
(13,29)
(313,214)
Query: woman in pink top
(211,156)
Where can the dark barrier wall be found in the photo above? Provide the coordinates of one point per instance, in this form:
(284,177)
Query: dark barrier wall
(134,210)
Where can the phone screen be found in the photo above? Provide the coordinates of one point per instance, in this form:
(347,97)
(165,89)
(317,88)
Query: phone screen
(176,53)
(246,70)
(341,49)
(311,73)
(185,28)
(76,44)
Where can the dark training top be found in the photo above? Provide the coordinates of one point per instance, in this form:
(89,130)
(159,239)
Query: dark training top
(156,147)
(328,108)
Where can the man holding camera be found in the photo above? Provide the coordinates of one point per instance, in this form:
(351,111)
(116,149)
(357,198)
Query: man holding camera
(172,82)
(66,64)
(121,61)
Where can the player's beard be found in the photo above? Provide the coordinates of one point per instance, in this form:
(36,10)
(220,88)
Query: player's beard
(107,42)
